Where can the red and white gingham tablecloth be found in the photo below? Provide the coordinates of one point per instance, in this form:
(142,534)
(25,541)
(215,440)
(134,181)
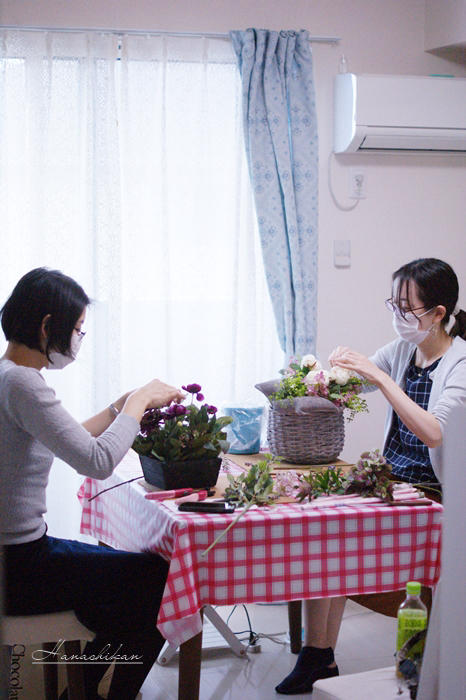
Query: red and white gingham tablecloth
(282,553)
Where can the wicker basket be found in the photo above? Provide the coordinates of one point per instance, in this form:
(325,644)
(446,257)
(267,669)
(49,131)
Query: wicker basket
(305,430)
(312,438)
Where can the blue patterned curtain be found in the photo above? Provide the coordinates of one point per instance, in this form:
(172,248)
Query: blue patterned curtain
(280,131)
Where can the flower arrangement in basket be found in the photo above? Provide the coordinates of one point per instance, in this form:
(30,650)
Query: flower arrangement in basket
(306,410)
(180,446)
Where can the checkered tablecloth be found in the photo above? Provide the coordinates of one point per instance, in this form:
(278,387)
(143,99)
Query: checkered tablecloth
(282,553)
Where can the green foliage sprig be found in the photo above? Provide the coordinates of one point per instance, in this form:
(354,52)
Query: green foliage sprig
(252,488)
(370,476)
(255,487)
(322,483)
(291,387)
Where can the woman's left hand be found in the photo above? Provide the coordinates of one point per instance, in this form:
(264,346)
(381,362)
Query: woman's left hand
(356,362)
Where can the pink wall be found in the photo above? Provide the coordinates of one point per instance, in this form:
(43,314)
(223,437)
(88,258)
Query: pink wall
(415,205)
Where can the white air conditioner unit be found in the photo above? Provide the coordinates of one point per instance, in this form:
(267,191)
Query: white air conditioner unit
(375,113)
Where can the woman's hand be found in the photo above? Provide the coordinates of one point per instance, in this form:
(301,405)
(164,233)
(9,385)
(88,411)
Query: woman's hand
(155,394)
(422,423)
(158,394)
(336,353)
(356,362)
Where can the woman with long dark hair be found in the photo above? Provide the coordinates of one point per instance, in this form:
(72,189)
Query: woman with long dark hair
(422,374)
(115,594)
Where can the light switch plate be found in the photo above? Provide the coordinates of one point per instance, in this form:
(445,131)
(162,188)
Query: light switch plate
(342,253)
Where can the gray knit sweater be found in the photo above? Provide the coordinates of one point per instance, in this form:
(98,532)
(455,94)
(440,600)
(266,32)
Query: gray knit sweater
(34,427)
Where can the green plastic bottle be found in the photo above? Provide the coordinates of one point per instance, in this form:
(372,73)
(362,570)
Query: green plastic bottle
(412,620)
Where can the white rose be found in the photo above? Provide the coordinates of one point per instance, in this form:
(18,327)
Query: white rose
(340,375)
(310,377)
(316,376)
(310,361)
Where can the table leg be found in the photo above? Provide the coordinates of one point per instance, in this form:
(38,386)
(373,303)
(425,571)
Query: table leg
(189,673)
(294,622)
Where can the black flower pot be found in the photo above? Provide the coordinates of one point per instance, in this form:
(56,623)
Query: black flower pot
(195,474)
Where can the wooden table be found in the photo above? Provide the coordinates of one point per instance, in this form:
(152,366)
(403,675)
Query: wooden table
(243,460)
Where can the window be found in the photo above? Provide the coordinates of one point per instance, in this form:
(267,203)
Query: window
(122,164)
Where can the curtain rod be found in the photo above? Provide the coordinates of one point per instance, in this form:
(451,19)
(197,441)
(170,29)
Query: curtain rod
(121,32)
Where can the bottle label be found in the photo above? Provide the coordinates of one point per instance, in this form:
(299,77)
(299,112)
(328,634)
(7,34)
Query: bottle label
(409,641)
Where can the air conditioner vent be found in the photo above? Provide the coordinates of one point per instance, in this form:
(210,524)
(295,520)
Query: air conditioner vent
(399,113)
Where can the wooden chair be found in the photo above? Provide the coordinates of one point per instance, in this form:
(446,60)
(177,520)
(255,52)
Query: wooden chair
(47,630)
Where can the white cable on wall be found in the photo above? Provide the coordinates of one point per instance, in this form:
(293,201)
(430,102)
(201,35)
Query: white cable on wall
(342,207)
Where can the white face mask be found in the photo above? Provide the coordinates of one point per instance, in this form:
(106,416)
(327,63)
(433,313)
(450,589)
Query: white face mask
(408,327)
(58,360)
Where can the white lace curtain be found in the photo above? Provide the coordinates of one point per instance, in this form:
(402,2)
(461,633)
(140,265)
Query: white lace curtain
(122,164)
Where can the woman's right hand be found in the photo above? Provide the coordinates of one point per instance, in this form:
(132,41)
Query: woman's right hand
(336,354)
(155,394)
(358,363)
(158,394)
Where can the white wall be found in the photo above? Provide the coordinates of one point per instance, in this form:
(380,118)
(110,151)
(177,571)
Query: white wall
(445,23)
(415,205)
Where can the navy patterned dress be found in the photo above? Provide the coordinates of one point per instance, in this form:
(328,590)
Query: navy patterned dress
(409,456)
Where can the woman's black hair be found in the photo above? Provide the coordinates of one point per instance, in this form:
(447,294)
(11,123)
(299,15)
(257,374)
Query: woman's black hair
(39,293)
(436,285)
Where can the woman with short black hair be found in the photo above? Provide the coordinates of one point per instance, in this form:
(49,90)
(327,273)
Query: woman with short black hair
(422,374)
(40,294)
(115,594)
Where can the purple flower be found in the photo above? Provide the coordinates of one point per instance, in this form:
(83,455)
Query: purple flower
(175,410)
(200,397)
(192,388)
(212,409)
(150,421)
(168,415)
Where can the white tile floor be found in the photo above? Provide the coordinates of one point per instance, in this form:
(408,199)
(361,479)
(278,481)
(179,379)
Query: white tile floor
(366,642)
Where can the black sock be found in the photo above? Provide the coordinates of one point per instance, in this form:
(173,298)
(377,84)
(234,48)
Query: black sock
(312,663)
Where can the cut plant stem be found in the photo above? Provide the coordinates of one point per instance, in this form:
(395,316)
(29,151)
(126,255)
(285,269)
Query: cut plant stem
(224,532)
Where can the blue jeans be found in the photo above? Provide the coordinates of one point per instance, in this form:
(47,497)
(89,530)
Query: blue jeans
(115,594)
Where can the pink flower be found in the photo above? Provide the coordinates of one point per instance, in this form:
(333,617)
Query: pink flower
(287,483)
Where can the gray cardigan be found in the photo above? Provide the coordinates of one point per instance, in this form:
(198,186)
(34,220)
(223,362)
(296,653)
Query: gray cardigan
(448,385)
(34,427)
